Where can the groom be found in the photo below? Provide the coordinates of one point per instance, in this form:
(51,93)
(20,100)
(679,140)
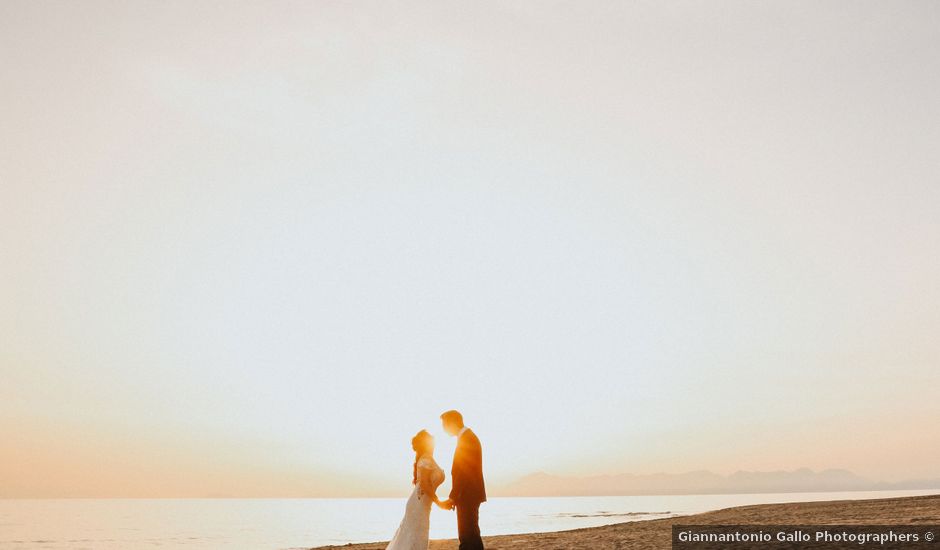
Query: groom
(466,477)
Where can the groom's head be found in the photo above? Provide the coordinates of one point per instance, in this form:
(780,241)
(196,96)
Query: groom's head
(452,422)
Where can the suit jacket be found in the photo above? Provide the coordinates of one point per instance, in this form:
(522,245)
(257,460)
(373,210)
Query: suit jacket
(467,472)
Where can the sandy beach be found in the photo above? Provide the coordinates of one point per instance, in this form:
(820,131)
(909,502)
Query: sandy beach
(655,534)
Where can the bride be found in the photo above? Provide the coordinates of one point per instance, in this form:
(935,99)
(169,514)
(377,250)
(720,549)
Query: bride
(412,534)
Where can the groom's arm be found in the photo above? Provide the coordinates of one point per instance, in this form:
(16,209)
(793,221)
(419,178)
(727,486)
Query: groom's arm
(457,474)
(455,489)
(456,484)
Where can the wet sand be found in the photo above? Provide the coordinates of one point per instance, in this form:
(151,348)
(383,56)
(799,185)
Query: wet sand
(656,534)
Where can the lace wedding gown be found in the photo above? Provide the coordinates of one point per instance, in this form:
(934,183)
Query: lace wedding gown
(412,534)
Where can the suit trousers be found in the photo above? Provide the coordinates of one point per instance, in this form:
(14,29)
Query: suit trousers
(468,526)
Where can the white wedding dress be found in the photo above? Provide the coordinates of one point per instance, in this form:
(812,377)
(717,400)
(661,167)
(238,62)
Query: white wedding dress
(412,534)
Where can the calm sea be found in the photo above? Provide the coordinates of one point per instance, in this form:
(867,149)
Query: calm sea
(261,524)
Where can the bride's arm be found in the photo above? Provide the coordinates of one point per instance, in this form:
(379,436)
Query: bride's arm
(427,486)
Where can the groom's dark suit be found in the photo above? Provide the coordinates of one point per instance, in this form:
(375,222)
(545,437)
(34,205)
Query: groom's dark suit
(468,491)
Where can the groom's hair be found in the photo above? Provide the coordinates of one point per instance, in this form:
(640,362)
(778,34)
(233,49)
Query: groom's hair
(453,416)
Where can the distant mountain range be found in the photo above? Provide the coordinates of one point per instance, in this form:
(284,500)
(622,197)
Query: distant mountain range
(703,482)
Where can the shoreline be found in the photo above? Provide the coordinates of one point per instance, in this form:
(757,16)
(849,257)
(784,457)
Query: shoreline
(657,533)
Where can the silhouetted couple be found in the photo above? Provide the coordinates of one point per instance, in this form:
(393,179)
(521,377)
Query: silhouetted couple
(466,495)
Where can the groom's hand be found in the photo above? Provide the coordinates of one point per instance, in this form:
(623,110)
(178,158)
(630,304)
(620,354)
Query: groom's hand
(447,504)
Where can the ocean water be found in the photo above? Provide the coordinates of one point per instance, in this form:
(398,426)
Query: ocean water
(274,524)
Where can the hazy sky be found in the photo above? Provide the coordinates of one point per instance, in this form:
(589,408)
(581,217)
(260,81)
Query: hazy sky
(251,248)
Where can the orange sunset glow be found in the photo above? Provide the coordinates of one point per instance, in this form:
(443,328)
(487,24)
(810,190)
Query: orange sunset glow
(250,251)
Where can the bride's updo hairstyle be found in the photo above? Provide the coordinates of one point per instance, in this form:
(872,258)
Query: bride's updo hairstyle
(422,443)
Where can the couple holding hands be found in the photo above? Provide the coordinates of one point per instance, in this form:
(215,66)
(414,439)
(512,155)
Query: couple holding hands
(466,495)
